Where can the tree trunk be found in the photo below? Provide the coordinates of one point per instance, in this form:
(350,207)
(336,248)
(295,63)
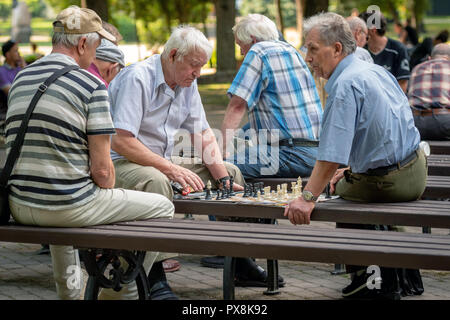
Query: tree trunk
(299,9)
(313,7)
(99,6)
(280,23)
(225,17)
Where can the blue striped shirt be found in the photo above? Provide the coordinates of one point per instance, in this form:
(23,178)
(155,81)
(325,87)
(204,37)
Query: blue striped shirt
(279,90)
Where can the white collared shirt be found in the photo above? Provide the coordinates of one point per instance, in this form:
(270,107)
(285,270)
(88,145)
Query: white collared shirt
(143,104)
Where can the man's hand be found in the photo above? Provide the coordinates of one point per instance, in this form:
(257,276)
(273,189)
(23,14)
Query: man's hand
(337,176)
(299,211)
(184,177)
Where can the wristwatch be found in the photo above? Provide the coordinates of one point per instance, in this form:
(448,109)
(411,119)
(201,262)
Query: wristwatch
(308,196)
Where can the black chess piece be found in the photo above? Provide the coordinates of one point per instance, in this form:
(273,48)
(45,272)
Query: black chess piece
(224,190)
(261,188)
(328,192)
(218,195)
(208,194)
(232,193)
(255,190)
(246,191)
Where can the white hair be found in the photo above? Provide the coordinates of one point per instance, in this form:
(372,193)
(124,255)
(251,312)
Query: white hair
(356,23)
(256,25)
(71,40)
(332,28)
(186,40)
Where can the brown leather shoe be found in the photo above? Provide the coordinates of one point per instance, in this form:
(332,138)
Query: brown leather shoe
(171,265)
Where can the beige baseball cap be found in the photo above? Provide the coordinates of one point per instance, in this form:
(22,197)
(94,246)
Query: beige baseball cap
(76,20)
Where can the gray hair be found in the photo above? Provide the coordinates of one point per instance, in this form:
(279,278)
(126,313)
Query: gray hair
(332,28)
(186,40)
(356,23)
(441,49)
(256,25)
(71,40)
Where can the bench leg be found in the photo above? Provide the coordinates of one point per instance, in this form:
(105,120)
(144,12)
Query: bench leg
(96,262)
(272,278)
(229,270)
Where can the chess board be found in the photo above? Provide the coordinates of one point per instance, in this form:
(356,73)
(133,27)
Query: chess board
(238,198)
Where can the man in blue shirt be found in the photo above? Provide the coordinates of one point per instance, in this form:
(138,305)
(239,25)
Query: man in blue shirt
(367,124)
(276,88)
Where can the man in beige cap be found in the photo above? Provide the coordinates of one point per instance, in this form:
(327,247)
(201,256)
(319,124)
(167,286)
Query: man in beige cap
(64,176)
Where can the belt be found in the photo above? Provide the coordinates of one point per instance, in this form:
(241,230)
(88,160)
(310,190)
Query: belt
(429,112)
(298,142)
(382,171)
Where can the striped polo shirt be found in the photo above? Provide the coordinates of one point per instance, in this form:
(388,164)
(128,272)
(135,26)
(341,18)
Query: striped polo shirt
(52,171)
(279,90)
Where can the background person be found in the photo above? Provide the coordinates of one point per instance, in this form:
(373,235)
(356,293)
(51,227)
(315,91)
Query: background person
(429,95)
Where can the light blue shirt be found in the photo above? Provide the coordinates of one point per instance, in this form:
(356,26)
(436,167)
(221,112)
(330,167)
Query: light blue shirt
(143,104)
(367,122)
(279,90)
(363,54)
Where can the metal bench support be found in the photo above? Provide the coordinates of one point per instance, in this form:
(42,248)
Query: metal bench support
(97,261)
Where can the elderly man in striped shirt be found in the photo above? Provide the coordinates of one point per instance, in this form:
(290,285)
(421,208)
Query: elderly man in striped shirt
(276,88)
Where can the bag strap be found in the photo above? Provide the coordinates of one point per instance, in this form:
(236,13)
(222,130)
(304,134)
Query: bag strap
(17,144)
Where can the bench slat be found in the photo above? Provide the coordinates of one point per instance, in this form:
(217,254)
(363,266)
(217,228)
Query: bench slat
(260,245)
(439,147)
(420,213)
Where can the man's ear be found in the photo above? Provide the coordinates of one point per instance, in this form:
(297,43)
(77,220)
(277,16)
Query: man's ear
(253,40)
(82,46)
(173,54)
(337,49)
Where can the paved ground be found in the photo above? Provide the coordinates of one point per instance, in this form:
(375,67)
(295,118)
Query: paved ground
(24,275)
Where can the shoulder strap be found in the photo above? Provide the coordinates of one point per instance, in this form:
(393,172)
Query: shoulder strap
(17,144)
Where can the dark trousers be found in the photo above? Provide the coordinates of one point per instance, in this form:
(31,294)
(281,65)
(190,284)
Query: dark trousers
(433,126)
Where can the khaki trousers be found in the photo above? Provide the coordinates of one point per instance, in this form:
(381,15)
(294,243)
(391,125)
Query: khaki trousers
(109,206)
(405,184)
(133,176)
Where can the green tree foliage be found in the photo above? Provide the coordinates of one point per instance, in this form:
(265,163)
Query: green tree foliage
(268,8)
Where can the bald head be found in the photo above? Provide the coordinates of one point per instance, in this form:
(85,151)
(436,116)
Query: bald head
(359,30)
(441,51)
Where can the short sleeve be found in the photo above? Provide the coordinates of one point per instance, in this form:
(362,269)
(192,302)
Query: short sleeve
(249,83)
(128,100)
(196,120)
(3,81)
(338,128)
(402,70)
(99,117)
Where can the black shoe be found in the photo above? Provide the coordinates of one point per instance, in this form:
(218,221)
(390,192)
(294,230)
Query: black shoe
(358,288)
(216,262)
(162,291)
(249,274)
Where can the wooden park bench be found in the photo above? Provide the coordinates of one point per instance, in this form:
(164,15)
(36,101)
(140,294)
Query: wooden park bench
(424,213)
(303,243)
(439,165)
(439,147)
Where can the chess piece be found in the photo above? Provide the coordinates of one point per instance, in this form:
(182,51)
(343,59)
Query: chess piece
(299,183)
(208,191)
(224,190)
(255,190)
(218,195)
(327,192)
(245,195)
(261,188)
(232,193)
